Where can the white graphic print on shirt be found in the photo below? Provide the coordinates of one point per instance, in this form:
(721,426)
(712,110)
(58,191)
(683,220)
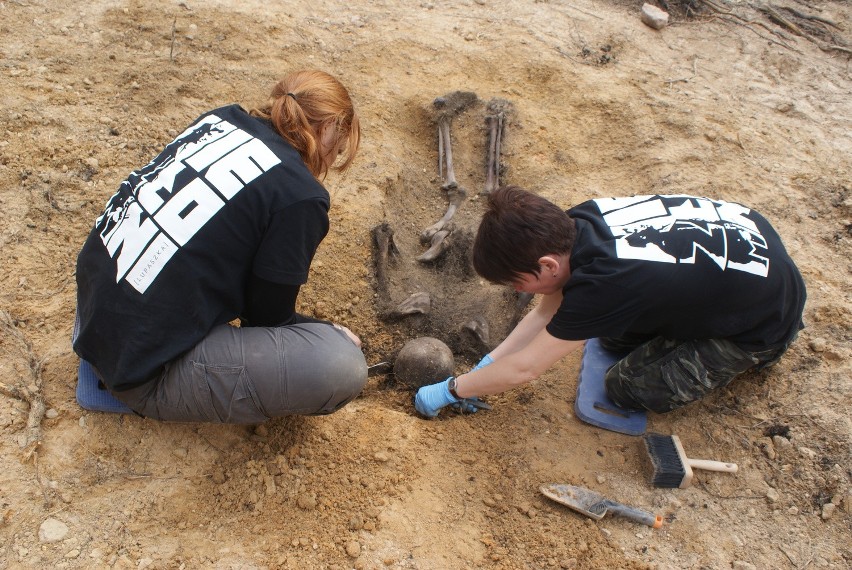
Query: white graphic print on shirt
(644,229)
(160,207)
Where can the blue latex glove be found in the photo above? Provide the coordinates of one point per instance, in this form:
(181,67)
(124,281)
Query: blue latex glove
(430,399)
(486,360)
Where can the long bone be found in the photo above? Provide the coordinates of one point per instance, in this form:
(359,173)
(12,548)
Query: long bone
(447,107)
(495,118)
(385,249)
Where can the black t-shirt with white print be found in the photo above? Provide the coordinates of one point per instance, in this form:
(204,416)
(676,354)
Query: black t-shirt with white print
(172,254)
(680,267)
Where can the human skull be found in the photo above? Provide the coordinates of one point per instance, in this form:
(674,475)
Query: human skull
(423,361)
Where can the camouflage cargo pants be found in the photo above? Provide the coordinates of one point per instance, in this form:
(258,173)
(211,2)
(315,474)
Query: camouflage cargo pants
(662,375)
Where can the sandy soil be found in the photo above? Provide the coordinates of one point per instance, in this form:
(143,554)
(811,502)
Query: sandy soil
(731,106)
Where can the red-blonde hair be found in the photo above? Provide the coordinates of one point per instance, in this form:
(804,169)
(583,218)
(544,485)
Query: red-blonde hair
(305,103)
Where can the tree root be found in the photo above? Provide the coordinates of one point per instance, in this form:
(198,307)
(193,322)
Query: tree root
(733,18)
(31,393)
(774,15)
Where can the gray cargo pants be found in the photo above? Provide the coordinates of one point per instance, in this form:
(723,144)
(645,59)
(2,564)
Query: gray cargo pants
(248,375)
(662,375)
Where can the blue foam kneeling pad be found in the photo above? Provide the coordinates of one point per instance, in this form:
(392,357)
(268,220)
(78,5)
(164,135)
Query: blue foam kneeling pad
(91,396)
(592,405)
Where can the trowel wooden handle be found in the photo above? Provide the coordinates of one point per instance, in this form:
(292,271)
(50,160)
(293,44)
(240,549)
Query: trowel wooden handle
(708,465)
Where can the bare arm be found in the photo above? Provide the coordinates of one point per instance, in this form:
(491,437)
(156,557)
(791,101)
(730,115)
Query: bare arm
(529,327)
(525,354)
(516,368)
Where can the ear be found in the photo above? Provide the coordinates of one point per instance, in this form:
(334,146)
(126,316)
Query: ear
(326,133)
(549,264)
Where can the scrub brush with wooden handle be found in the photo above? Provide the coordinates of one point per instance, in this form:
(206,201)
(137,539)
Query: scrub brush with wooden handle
(672,468)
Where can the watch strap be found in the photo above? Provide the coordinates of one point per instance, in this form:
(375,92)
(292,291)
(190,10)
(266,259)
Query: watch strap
(451,386)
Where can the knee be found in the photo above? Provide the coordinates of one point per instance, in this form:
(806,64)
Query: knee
(641,392)
(347,372)
(344,359)
(338,390)
(631,397)
(343,376)
(619,391)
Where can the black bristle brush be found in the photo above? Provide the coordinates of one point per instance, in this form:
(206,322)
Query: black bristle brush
(672,468)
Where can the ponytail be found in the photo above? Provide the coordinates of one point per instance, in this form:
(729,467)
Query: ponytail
(302,106)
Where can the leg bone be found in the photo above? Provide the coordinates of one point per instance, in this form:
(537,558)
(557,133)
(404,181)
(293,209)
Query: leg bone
(446,144)
(439,245)
(492,165)
(447,107)
(455,196)
(385,248)
(495,119)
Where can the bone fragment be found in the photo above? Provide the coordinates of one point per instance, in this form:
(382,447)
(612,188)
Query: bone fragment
(418,303)
(478,329)
(455,196)
(521,303)
(439,245)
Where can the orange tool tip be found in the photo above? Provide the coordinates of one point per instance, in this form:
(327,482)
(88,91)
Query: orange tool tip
(658,521)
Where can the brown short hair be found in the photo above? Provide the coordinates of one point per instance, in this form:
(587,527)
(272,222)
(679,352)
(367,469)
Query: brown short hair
(304,101)
(517,229)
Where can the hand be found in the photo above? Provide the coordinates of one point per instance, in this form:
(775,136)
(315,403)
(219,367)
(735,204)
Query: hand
(473,405)
(430,399)
(349,333)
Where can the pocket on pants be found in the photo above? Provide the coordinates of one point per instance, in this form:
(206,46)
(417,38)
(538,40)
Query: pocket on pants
(226,394)
(685,375)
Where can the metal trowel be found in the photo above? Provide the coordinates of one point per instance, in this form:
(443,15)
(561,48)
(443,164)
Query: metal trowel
(595,505)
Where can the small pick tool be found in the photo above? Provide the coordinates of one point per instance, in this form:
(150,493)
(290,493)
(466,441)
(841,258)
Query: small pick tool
(380,368)
(672,468)
(595,505)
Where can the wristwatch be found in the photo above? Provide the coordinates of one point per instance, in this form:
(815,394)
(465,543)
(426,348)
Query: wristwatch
(451,386)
